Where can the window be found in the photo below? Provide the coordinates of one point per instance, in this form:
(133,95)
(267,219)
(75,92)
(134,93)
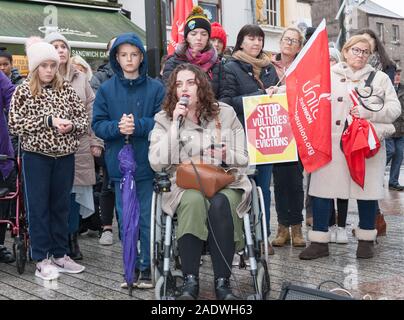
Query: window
(380,31)
(396,33)
(169,11)
(268,12)
(211,9)
(273,12)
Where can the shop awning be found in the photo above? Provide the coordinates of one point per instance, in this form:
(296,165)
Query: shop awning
(85,27)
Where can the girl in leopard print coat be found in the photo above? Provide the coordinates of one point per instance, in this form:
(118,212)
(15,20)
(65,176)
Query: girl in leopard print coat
(48,115)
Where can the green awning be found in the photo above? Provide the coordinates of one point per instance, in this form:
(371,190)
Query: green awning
(84,27)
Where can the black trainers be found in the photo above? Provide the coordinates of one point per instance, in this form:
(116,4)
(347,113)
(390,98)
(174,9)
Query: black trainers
(144,281)
(396,187)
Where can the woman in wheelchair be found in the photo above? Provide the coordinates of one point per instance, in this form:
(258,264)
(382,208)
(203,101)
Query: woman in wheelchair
(188,128)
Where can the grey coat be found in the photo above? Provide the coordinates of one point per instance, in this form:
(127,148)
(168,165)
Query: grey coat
(165,152)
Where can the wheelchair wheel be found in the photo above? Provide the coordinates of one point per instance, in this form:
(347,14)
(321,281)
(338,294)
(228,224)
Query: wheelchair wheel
(263,281)
(174,283)
(20,253)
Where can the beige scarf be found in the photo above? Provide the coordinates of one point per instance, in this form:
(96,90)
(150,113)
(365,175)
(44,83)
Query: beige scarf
(264,60)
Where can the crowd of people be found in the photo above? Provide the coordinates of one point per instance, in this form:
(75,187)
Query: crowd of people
(71,124)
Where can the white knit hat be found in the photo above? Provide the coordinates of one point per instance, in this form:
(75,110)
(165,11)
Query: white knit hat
(39,51)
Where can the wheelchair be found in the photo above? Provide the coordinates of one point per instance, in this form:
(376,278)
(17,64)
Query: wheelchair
(166,271)
(18,222)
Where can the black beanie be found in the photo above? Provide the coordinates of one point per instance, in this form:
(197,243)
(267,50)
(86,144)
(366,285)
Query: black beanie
(197,19)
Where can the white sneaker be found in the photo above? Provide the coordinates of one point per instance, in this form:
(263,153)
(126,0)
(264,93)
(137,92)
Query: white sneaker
(67,265)
(333,233)
(46,270)
(342,235)
(106,238)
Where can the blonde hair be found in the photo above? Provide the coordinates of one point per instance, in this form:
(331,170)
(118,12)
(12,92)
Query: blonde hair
(351,42)
(80,61)
(301,35)
(35,83)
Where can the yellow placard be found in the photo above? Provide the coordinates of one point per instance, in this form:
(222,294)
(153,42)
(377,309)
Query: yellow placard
(21,63)
(269,134)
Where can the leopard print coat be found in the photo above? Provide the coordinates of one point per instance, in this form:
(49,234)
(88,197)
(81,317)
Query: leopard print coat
(30,118)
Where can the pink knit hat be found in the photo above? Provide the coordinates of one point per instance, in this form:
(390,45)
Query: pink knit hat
(219,33)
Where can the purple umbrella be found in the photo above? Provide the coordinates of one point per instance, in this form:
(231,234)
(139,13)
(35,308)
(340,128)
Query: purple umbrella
(131,212)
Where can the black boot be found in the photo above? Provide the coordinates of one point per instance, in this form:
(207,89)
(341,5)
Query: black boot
(74,249)
(223,289)
(190,288)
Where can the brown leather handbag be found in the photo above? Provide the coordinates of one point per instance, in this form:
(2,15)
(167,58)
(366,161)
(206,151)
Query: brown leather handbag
(212,178)
(206,178)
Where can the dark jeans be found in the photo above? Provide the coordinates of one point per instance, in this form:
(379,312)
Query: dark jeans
(263,180)
(342,209)
(289,194)
(220,240)
(322,213)
(107,199)
(48,183)
(395,150)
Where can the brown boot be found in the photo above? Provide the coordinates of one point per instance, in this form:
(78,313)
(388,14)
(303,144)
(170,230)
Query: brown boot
(366,239)
(318,247)
(365,249)
(297,236)
(282,236)
(380,224)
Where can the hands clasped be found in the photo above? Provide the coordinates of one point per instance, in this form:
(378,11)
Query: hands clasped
(127,124)
(63,126)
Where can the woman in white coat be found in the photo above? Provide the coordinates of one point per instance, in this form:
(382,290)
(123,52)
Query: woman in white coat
(334,180)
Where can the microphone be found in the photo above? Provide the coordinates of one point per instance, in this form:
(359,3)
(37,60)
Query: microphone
(184,100)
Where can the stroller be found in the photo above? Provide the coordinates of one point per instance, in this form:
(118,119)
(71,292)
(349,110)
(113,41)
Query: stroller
(17,222)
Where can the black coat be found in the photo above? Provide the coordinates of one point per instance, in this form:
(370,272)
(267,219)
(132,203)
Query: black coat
(216,78)
(103,74)
(239,82)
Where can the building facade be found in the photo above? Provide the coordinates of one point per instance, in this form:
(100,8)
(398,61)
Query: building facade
(388,25)
(272,15)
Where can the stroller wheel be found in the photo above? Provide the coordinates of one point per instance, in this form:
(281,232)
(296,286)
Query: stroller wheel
(174,283)
(20,253)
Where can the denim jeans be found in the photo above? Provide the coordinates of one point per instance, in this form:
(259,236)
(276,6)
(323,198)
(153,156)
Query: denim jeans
(322,212)
(144,191)
(263,180)
(394,150)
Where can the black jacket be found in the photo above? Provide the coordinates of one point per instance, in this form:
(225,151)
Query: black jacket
(399,123)
(240,82)
(216,78)
(103,74)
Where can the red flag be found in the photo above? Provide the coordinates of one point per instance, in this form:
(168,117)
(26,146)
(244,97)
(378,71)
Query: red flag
(182,9)
(308,88)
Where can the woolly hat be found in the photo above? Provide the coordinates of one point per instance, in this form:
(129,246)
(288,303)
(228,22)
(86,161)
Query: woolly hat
(219,33)
(56,36)
(39,51)
(196,19)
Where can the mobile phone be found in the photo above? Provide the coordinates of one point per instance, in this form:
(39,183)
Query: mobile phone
(217,145)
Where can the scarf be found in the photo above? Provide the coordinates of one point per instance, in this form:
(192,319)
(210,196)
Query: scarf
(204,60)
(263,61)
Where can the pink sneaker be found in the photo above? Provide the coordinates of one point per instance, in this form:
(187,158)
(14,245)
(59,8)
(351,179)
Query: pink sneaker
(67,265)
(46,270)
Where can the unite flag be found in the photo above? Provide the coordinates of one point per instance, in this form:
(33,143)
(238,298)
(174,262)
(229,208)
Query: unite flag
(308,88)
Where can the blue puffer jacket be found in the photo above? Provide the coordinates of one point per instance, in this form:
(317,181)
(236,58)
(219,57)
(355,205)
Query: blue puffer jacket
(142,97)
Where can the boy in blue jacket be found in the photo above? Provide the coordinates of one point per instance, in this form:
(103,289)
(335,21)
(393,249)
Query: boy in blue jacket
(125,105)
